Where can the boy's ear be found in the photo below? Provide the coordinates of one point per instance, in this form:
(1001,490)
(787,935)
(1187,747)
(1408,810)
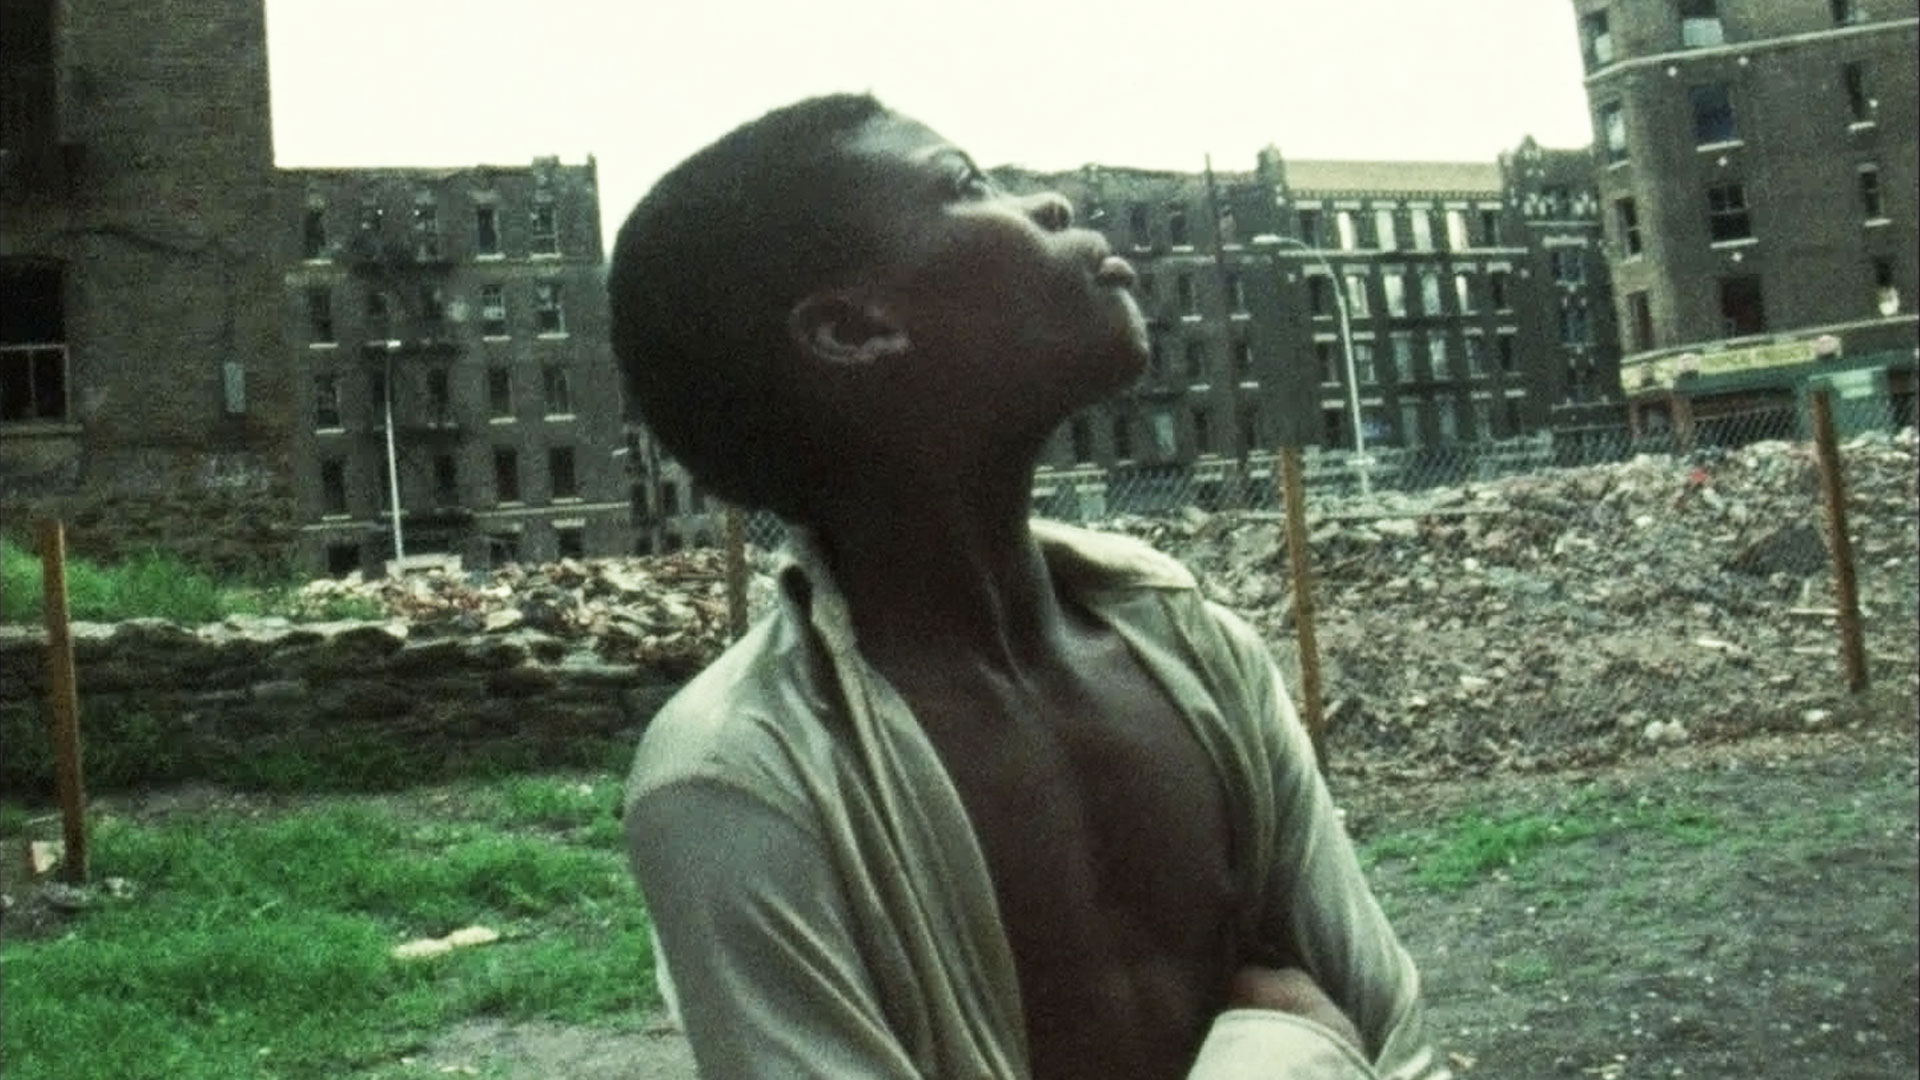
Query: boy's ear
(845,328)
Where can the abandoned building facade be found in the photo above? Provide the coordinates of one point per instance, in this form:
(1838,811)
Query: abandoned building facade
(449,327)
(1756,162)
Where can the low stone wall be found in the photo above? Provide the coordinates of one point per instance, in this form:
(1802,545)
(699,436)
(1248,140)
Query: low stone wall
(261,702)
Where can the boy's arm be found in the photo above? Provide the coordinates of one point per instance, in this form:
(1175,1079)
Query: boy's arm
(765,968)
(1318,912)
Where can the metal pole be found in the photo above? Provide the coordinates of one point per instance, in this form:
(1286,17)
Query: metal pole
(64,701)
(1853,651)
(393,460)
(1293,494)
(736,572)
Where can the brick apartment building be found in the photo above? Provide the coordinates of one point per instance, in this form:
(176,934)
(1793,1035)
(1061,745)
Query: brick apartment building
(470,303)
(1757,162)
(143,395)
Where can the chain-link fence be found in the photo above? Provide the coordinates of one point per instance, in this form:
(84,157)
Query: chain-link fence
(1555,599)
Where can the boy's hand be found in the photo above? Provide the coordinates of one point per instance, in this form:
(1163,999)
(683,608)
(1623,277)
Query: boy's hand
(1291,990)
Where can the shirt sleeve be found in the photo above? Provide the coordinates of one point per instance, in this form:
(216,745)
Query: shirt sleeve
(1317,911)
(765,970)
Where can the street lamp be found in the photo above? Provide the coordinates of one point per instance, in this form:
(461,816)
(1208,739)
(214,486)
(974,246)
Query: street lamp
(1270,245)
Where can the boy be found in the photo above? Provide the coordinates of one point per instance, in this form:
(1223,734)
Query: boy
(986,797)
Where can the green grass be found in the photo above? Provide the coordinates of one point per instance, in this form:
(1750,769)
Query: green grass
(156,584)
(260,946)
(1472,846)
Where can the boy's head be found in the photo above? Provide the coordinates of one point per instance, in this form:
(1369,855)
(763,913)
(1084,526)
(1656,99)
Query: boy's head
(833,291)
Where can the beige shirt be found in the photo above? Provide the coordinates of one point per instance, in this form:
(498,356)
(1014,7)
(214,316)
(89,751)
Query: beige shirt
(828,913)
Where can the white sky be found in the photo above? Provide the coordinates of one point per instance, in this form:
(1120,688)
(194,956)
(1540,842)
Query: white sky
(1050,84)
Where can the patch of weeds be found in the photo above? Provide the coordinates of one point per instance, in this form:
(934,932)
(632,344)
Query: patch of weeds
(14,819)
(1525,969)
(556,803)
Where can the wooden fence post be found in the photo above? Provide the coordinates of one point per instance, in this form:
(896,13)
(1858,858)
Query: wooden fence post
(64,702)
(736,529)
(1833,492)
(1299,563)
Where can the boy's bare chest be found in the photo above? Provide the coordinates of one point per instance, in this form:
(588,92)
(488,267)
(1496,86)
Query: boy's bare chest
(1105,830)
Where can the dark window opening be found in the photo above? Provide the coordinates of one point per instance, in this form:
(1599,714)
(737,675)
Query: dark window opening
(1509,357)
(446,480)
(33,352)
(559,391)
(1613,131)
(1844,11)
(1186,295)
(544,238)
(1196,360)
(1310,228)
(571,543)
(506,476)
(486,230)
(1177,226)
(1859,106)
(1138,225)
(326,401)
(1596,40)
(548,316)
(1742,311)
(1727,217)
(1700,24)
(320,316)
(313,240)
(1497,290)
(560,471)
(1242,360)
(342,559)
(669,498)
(333,487)
(499,392)
(379,316)
(1333,427)
(1640,320)
(1320,294)
(1082,437)
(1490,228)
(1202,432)
(1627,219)
(1712,114)
(1122,438)
(1870,202)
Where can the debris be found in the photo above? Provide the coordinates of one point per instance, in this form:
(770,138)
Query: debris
(421,948)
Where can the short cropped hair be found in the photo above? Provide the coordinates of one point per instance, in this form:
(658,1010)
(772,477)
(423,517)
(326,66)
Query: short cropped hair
(704,273)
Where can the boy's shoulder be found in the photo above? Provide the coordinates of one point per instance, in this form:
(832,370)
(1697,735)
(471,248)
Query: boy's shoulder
(1104,560)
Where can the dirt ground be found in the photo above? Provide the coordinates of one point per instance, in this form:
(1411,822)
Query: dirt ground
(1782,945)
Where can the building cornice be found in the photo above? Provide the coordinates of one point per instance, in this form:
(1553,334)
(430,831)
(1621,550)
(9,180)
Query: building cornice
(1742,48)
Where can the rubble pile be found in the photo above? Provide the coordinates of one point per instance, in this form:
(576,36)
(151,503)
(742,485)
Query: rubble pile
(665,610)
(1575,615)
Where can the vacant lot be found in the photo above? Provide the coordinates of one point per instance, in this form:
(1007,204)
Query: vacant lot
(1741,910)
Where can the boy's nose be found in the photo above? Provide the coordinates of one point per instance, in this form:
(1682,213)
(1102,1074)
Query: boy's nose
(1051,211)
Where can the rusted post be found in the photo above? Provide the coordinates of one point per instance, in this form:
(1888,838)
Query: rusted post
(1853,650)
(1298,562)
(63,702)
(736,528)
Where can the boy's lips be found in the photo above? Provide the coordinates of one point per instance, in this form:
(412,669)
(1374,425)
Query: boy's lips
(1114,270)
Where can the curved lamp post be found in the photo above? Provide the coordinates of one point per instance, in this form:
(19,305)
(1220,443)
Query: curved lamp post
(1270,245)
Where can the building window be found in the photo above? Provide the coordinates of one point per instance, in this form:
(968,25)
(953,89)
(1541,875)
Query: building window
(426,230)
(1627,220)
(1237,294)
(1457,239)
(1196,360)
(326,402)
(1400,364)
(433,306)
(1569,266)
(493,311)
(1513,415)
(1327,354)
(1249,421)
(1742,310)
(1490,228)
(1358,305)
(1349,236)
(1242,360)
(561,473)
(1383,230)
(1310,228)
(1474,350)
(1859,107)
(1556,201)
(499,392)
(506,475)
(1870,202)
(1409,423)
(333,487)
(1596,40)
(1844,12)
(1448,412)
(1320,295)
(1497,294)
(1185,295)
(1138,225)
(446,480)
(1422,230)
(1463,293)
(379,316)
(1700,24)
(570,541)
(1640,321)
(1483,417)
(1177,225)
(1081,436)
(439,396)
(543,233)
(548,315)
(1727,213)
(1122,439)
(1430,294)
(1506,348)
(313,238)
(669,498)
(1396,287)
(342,559)
(1572,321)
(1363,366)
(320,315)
(1613,131)
(1886,293)
(1333,426)
(1437,365)
(1712,114)
(559,393)
(1202,432)
(486,230)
